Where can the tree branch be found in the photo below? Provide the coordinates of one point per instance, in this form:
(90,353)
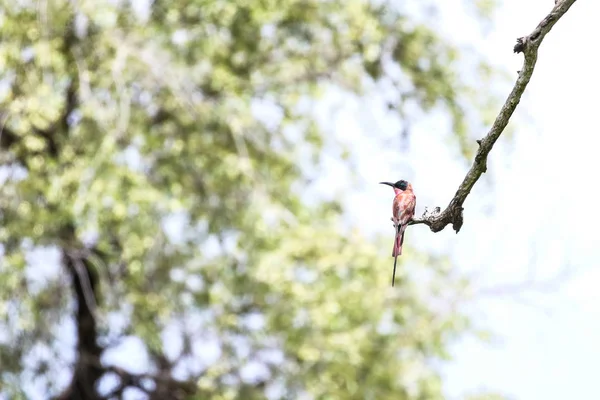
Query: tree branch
(85,281)
(528,45)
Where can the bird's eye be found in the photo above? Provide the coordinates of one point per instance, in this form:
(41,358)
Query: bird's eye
(402,185)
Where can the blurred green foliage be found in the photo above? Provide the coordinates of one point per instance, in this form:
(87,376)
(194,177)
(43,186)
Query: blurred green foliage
(131,130)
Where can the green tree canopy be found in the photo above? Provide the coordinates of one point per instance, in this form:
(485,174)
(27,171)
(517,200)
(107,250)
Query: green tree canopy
(144,196)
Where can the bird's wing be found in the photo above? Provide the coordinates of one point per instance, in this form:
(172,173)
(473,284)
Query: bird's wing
(406,208)
(396,210)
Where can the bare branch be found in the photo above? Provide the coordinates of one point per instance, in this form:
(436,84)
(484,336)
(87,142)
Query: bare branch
(528,45)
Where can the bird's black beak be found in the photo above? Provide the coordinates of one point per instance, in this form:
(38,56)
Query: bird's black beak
(387,183)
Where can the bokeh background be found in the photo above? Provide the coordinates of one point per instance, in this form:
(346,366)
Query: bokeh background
(189,206)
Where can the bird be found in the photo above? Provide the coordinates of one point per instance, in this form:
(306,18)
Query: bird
(403,210)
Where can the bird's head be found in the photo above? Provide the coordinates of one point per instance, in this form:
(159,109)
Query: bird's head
(400,185)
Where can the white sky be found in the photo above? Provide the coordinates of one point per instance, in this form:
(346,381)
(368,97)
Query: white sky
(542,191)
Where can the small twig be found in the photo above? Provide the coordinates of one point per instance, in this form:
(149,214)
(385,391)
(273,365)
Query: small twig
(530,285)
(528,45)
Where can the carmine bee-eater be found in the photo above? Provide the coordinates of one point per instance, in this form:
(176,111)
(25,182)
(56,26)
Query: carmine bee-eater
(403,209)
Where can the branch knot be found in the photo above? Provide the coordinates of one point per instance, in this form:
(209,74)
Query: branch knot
(521,45)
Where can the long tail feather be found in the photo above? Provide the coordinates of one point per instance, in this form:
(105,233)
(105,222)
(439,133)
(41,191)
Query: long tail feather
(394,273)
(398,240)
(397,251)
